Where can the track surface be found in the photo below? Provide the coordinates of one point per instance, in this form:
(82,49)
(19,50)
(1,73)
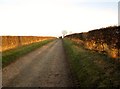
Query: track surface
(44,67)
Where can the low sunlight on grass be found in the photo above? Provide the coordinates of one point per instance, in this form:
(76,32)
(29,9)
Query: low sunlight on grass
(10,55)
(91,68)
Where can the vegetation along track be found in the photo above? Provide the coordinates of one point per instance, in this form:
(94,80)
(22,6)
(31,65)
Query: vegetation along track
(91,68)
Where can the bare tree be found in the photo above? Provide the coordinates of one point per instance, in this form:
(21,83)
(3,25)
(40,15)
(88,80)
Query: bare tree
(64,32)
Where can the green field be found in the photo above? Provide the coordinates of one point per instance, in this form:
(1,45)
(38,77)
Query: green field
(92,69)
(10,55)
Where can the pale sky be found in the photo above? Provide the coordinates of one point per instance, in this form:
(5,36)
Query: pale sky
(50,17)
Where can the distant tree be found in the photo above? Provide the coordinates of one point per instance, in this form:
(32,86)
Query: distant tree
(64,32)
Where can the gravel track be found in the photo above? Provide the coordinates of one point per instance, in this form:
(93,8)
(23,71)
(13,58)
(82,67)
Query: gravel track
(45,67)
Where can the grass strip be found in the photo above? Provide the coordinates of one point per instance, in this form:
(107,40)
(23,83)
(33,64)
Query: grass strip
(92,69)
(11,55)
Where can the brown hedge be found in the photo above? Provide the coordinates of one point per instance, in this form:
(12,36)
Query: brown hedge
(10,42)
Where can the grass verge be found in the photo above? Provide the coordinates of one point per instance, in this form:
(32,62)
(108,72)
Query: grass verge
(92,69)
(11,55)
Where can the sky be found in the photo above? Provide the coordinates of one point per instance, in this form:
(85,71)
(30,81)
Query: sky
(51,17)
(119,13)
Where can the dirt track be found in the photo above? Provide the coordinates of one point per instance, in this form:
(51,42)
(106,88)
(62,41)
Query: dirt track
(44,67)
